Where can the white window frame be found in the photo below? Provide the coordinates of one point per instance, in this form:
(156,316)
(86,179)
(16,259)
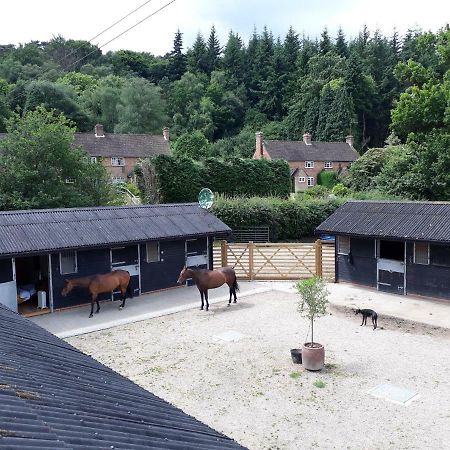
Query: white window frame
(117,161)
(93,159)
(301,179)
(70,180)
(309,164)
(343,245)
(117,179)
(428,254)
(328,164)
(158,252)
(310,181)
(75,254)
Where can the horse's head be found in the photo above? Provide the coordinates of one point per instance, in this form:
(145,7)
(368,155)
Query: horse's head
(68,286)
(183,276)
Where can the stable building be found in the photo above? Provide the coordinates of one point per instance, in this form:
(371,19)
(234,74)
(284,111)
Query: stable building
(39,249)
(397,247)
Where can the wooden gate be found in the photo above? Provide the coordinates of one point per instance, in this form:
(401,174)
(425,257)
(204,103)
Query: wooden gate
(283,261)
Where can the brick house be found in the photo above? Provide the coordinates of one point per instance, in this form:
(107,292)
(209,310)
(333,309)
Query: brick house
(119,153)
(307,158)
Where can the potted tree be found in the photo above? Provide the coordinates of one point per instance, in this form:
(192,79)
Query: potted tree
(312,304)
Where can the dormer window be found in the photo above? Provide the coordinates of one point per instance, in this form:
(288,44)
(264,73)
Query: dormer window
(309,164)
(117,161)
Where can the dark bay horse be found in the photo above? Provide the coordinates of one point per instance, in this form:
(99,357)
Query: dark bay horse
(209,279)
(100,283)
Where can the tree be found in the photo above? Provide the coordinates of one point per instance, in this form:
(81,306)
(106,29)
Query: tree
(141,108)
(341,45)
(36,160)
(177,65)
(213,50)
(233,58)
(325,42)
(193,145)
(197,56)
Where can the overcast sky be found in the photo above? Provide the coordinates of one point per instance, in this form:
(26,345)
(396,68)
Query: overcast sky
(26,20)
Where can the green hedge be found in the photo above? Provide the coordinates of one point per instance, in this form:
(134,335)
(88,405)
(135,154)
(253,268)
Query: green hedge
(180,179)
(327,178)
(288,220)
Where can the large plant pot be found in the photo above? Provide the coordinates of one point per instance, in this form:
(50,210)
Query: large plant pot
(296,355)
(313,356)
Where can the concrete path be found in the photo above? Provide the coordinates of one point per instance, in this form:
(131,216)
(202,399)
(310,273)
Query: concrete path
(412,308)
(73,322)
(76,321)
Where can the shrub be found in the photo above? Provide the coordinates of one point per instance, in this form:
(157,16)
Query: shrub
(340,190)
(316,191)
(327,178)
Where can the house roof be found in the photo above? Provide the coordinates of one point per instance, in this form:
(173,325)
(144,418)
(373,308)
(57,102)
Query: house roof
(125,145)
(424,221)
(54,396)
(317,151)
(34,231)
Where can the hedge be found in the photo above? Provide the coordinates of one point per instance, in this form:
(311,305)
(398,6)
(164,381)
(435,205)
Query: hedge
(288,220)
(327,178)
(180,179)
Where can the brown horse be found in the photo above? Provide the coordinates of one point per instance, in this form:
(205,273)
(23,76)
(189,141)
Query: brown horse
(210,279)
(100,283)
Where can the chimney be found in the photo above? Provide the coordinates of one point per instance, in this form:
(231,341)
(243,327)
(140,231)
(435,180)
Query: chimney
(166,134)
(259,143)
(307,138)
(349,140)
(99,130)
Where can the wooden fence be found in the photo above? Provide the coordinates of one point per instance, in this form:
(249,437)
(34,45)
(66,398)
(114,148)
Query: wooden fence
(265,261)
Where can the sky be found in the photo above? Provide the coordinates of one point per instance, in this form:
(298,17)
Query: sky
(26,20)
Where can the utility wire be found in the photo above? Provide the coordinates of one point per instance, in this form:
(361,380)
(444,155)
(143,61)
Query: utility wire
(123,32)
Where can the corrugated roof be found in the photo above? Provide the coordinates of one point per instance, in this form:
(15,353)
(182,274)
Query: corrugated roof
(55,229)
(317,151)
(425,221)
(54,396)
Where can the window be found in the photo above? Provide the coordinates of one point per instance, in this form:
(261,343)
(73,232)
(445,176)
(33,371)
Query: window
(309,164)
(343,245)
(68,263)
(118,179)
(421,253)
(117,161)
(93,159)
(70,180)
(301,179)
(391,250)
(152,252)
(439,255)
(310,181)
(327,164)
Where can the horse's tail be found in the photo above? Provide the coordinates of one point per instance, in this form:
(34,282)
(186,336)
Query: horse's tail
(129,290)
(235,284)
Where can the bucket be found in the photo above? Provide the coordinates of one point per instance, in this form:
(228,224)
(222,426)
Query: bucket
(296,355)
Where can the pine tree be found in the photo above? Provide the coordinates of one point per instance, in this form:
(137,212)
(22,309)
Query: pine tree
(395,45)
(326,100)
(214,50)
(252,69)
(291,48)
(197,56)
(340,118)
(233,58)
(177,61)
(325,42)
(341,45)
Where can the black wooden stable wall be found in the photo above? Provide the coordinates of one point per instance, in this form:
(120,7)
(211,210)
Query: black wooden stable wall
(6,270)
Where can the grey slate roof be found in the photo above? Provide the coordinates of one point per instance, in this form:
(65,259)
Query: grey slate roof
(424,221)
(317,151)
(54,396)
(34,231)
(125,145)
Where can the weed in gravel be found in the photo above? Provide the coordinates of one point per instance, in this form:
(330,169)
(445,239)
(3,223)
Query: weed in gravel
(295,375)
(319,384)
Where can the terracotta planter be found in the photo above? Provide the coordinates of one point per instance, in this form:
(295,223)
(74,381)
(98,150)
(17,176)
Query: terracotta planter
(313,358)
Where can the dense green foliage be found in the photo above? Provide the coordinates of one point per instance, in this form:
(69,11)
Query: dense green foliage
(171,179)
(327,178)
(37,158)
(288,220)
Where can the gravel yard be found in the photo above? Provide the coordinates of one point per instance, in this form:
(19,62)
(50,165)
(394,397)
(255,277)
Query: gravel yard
(251,390)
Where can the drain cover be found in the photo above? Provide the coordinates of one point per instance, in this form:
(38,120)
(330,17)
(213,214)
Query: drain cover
(229,336)
(394,394)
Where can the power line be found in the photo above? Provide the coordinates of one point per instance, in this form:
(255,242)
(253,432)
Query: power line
(123,32)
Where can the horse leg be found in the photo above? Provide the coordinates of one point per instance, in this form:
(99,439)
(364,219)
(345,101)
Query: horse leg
(231,293)
(98,304)
(201,295)
(206,298)
(92,306)
(234,290)
(123,292)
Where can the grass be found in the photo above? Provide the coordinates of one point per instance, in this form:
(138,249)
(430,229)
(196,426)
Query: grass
(319,384)
(295,375)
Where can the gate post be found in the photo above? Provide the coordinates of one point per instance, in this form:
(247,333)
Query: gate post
(251,248)
(318,248)
(223,253)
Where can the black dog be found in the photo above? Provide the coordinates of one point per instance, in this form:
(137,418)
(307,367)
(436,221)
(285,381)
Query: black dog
(368,313)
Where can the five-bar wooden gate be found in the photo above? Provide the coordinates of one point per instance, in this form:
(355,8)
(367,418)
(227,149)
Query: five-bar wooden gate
(283,261)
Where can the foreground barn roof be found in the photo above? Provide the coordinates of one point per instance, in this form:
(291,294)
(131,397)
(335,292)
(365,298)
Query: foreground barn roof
(54,396)
(317,151)
(32,231)
(425,221)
